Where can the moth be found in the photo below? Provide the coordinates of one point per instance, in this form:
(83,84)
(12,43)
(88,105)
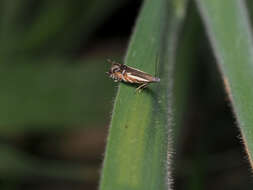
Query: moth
(120,72)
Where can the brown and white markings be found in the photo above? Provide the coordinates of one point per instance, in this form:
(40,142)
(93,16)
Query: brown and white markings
(119,72)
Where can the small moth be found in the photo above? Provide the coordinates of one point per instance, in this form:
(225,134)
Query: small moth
(120,72)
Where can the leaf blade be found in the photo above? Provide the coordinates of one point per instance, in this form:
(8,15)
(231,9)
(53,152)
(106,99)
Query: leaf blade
(137,147)
(234,52)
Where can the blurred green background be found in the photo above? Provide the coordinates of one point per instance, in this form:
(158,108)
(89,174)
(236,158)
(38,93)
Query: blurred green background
(56,101)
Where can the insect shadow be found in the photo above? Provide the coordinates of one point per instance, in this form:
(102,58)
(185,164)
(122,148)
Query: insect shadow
(146,90)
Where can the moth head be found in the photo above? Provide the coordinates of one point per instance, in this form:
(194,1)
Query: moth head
(115,67)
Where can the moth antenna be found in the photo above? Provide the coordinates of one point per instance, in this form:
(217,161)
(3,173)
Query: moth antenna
(111,61)
(157,63)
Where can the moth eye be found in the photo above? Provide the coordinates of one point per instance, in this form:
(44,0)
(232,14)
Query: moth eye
(123,67)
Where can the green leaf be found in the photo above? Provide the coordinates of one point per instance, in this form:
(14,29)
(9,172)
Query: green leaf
(186,58)
(139,138)
(50,21)
(10,29)
(53,92)
(230,34)
(54,28)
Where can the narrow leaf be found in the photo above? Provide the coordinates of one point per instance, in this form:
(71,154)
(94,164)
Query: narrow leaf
(138,144)
(53,93)
(230,34)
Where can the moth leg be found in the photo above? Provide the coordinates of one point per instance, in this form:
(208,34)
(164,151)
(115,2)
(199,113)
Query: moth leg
(142,86)
(117,80)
